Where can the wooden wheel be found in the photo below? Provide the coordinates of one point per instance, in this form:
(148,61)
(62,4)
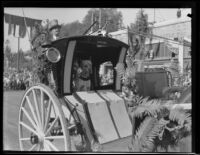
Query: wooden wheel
(42,125)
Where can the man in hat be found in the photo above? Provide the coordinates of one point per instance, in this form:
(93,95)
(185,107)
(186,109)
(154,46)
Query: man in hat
(54,29)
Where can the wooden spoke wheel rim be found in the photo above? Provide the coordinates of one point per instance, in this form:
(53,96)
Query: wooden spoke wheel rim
(40,114)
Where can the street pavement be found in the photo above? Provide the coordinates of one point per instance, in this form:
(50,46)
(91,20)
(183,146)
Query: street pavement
(11,105)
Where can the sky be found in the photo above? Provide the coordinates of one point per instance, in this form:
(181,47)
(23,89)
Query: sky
(68,15)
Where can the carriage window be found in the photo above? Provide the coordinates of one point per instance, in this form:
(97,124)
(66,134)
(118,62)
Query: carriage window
(106,74)
(81,75)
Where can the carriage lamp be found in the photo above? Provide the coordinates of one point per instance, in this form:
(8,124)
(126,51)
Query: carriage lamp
(53,55)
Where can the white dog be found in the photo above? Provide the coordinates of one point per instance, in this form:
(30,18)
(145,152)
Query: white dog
(83,82)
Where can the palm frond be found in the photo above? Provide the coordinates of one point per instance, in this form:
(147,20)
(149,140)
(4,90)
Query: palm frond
(157,119)
(143,100)
(143,134)
(136,146)
(156,131)
(180,116)
(148,107)
(160,149)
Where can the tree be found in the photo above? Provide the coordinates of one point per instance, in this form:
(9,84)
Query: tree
(141,26)
(109,15)
(7,49)
(72,29)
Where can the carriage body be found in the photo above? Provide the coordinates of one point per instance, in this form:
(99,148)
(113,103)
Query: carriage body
(93,117)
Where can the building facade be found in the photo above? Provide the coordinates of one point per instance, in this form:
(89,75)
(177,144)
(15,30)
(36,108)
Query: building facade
(168,36)
(179,28)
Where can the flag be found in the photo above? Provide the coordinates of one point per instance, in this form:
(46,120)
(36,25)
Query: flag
(10,28)
(157,49)
(14,29)
(22,31)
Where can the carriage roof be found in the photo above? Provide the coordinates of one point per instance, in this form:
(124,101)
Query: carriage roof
(96,47)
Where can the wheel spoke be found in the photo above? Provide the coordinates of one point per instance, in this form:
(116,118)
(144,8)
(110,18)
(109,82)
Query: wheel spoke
(51,145)
(42,108)
(39,119)
(51,126)
(72,126)
(37,109)
(54,137)
(54,112)
(33,147)
(28,138)
(29,118)
(39,147)
(46,147)
(32,111)
(28,127)
(48,115)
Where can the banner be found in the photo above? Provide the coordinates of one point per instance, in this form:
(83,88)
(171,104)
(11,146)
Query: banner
(13,21)
(157,49)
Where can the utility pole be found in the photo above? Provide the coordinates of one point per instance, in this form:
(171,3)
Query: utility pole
(99,18)
(18,54)
(180,57)
(92,20)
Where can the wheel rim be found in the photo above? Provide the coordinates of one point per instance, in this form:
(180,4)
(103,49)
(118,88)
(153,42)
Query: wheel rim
(42,126)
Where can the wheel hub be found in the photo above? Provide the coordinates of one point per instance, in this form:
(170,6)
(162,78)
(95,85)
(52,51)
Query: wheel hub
(34,139)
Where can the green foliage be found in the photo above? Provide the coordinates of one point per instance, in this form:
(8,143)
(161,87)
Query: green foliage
(161,126)
(145,134)
(111,15)
(72,29)
(128,74)
(141,26)
(148,107)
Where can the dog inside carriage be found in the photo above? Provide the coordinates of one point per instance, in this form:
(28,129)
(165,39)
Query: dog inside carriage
(82,71)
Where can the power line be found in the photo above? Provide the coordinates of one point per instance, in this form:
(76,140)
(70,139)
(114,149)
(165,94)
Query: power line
(161,14)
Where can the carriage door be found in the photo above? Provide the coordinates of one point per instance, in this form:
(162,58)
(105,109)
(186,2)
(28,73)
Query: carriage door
(68,66)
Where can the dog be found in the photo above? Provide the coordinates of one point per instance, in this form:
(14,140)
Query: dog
(83,82)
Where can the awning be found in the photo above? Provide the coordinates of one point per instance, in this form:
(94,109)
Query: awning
(172,46)
(187,41)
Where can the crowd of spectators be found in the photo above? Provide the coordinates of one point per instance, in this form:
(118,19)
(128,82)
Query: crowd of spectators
(17,80)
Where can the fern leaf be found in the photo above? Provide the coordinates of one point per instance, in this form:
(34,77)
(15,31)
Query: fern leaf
(143,100)
(179,116)
(143,131)
(153,107)
(145,126)
(156,130)
(139,111)
(136,147)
